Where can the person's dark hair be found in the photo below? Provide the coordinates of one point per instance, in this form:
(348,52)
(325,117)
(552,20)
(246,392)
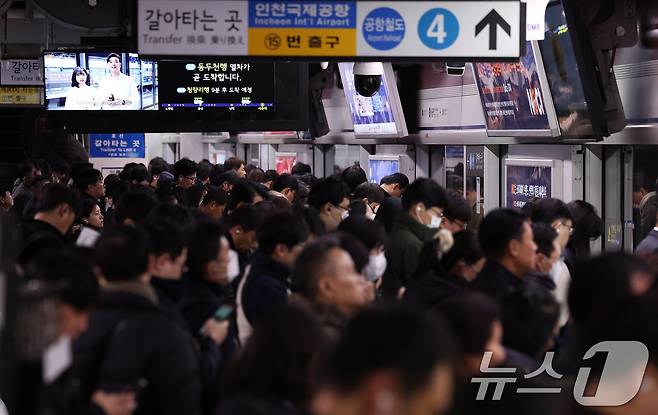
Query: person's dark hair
(397,339)
(228,176)
(256,175)
(328,190)
(215,195)
(281,359)
(38,180)
(354,176)
(193,195)
(249,217)
(86,178)
(396,178)
(203,246)
(466,247)
(216,171)
(458,209)
(470,316)
(357,251)
(166,237)
(270,175)
(250,167)
(601,285)
(544,236)
(370,233)
(425,191)
(498,228)
(134,205)
(370,191)
(549,210)
(166,194)
(530,315)
(88,205)
(77,71)
(587,225)
(60,166)
(203,170)
(140,174)
(309,262)
(157,166)
(176,214)
(70,275)
(282,227)
(112,55)
(184,167)
(55,195)
(300,169)
(27,166)
(242,193)
(127,170)
(285,181)
(110,181)
(122,253)
(308,179)
(311,217)
(387,211)
(233,163)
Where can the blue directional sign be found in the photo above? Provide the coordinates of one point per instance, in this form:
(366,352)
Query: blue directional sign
(384,28)
(117,145)
(438,28)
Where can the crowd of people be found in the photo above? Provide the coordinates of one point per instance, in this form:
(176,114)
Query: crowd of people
(196,288)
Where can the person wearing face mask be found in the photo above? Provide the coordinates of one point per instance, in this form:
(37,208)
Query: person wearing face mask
(266,283)
(371,196)
(422,209)
(372,235)
(211,267)
(548,253)
(242,224)
(329,198)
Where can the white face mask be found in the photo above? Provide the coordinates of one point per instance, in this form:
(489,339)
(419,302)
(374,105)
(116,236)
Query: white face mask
(435,223)
(369,213)
(345,215)
(376,267)
(554,273)
(233,269)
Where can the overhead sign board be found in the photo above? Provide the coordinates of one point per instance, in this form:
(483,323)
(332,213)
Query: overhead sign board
(340,29)
(24,72)
(117,145)
(20,96)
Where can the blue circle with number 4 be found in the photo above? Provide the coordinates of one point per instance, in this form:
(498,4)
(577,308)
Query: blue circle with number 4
(383,28)
(438,28)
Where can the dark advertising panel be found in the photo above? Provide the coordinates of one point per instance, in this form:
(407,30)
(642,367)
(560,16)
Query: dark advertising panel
(216,85)
(525,183)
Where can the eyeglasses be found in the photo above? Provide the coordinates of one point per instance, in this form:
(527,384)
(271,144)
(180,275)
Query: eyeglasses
(191,178)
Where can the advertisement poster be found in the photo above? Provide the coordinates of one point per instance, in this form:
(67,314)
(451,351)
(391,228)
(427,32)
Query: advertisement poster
(20,96)
(370,115)
(378,169)
(284,162)
(511,94)
(525,183)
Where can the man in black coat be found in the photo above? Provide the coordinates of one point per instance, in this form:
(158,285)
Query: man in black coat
(131,343)
(56,211)
(266,285)
(507,242)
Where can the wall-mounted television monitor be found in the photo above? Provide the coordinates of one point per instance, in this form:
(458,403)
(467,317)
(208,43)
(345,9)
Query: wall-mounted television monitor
(99,80)
(515,97)
(382,166)
(260,96)
(530,179)
(585,107)
(377,116)
(214,85)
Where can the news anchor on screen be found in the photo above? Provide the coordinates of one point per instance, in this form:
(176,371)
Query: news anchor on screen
(117,91)
(81,95)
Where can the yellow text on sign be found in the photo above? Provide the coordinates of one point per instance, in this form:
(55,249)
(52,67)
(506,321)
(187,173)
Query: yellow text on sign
(302,42)
(20,95)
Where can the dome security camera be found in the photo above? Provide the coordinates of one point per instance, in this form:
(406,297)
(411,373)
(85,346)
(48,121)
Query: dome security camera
(368,77)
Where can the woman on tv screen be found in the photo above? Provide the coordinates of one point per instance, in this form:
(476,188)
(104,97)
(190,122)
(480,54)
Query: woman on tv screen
(81,95)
